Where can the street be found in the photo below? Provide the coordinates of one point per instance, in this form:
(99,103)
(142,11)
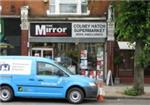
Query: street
(86,102)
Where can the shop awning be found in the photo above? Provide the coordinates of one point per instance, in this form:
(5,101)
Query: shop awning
(66,40)
(5,45)
(123,45)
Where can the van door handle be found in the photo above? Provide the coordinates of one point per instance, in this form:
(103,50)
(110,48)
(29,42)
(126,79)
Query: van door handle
(40,80)
(31,79)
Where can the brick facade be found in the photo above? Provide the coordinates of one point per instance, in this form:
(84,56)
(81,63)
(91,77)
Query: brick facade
(38,7)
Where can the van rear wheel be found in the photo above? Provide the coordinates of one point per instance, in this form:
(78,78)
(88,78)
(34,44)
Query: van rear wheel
(75,95)
(6,94)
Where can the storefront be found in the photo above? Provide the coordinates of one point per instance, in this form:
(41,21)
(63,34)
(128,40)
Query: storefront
(10,36)
(79,45)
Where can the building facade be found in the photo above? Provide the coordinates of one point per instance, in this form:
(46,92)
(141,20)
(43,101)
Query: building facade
(77,33)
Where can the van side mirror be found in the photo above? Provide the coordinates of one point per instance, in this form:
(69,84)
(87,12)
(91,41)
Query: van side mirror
(60,73)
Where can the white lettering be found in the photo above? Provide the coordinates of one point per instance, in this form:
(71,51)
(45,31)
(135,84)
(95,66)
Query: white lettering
(44,29)
(40,30)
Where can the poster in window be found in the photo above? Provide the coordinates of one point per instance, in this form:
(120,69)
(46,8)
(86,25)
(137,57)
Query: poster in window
(83,64)
(83,54)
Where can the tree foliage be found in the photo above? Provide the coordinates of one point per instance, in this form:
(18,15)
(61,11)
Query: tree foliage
(133,24)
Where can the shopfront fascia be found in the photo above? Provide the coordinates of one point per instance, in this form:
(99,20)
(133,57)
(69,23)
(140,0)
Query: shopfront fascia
(77,45)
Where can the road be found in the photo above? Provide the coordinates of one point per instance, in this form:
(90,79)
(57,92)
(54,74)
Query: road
(86,102)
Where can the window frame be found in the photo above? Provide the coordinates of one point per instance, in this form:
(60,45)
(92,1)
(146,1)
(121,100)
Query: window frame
(37,69)
(78,3)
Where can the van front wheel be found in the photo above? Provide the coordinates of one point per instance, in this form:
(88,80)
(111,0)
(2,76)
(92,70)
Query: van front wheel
(75,95)
(6,94)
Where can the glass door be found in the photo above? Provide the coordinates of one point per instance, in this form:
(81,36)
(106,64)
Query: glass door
(42,52)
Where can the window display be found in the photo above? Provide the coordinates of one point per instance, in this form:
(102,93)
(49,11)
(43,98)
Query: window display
(81,56)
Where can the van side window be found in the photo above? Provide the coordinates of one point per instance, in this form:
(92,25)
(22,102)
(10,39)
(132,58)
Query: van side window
(46,69)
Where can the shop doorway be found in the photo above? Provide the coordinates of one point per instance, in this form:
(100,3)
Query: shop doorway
(42,52)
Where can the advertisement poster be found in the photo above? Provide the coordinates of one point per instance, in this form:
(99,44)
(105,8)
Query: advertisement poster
(100,59)
(83,64)
(100,65)
(83,54)
(83,59)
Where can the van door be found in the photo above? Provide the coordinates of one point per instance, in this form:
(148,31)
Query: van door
(23,75)
(49,84)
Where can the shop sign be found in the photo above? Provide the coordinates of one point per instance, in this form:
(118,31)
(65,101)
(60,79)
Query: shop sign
(89,29)
(50,29)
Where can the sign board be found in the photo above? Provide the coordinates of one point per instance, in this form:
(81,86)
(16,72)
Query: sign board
(89,30)
(109,80)
(50,29)
(22,67)
(74,29)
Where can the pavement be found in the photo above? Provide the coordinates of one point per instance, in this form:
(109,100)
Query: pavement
(117,91)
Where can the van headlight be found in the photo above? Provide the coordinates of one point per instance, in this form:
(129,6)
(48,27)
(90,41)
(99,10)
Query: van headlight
(92,84)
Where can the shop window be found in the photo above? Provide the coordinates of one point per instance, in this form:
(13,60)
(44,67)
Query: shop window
(89,56)
(127,61)
(52,6)
(84,6)
(68,7)
(147,70)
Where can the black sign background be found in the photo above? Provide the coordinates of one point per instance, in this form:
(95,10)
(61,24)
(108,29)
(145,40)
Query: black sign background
(54,25)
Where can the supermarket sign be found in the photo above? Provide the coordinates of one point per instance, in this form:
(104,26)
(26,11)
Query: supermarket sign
(89,30)
(74,29)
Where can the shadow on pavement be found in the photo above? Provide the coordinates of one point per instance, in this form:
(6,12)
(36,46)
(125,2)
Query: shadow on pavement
(41,100)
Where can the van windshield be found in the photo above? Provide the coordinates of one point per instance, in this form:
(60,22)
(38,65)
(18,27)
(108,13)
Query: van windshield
(65,69)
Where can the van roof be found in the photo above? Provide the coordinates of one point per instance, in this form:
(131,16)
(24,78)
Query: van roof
(25,57)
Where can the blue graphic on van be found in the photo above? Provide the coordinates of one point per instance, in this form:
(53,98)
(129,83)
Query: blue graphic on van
(4,67)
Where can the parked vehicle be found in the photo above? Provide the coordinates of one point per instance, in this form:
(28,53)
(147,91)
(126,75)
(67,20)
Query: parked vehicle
(36,77)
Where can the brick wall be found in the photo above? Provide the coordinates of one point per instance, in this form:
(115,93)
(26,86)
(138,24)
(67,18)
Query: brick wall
(38,7)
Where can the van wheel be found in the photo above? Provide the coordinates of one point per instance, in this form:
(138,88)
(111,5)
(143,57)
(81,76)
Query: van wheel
(75,95)
(6,94)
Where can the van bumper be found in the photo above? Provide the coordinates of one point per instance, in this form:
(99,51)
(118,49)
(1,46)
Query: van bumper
(90,92)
